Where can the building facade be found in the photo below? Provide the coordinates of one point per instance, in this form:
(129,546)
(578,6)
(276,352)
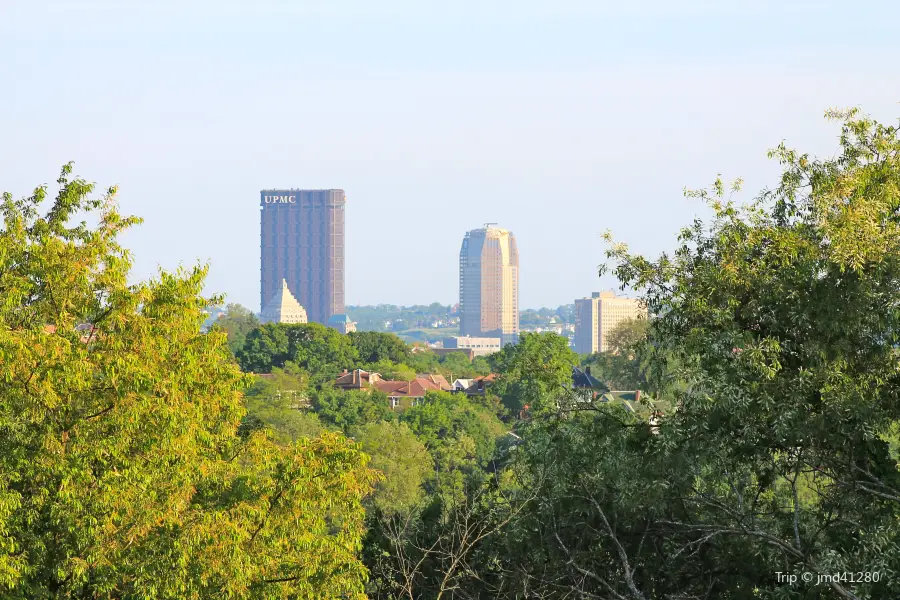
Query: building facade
(302,243)
(597,316)
(489,285)
(342,323)
(283,308)
(480,346)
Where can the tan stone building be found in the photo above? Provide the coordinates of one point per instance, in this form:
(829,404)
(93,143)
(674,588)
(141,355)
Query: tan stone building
(283,308)
(597,316)
(489,284)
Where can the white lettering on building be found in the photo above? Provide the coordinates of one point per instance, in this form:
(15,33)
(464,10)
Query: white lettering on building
(280,199)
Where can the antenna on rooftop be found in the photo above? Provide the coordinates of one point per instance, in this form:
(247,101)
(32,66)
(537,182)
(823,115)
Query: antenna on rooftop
(487,225)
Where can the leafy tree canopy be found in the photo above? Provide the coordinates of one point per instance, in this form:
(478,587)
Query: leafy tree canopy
(121,474)
(373,347)
(319,350)
(403,460)
(349,409)
(236,321)
(533,372)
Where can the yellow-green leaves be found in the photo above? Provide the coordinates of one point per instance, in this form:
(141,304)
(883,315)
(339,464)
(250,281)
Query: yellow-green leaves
(121,471)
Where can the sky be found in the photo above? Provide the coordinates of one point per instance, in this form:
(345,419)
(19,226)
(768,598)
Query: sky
(558,120)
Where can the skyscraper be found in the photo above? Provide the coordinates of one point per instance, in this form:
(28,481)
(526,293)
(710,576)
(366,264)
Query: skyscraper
(302,243)
(489,284)
(597,316)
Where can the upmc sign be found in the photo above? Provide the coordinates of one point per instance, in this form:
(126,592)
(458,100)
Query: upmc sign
(280,199)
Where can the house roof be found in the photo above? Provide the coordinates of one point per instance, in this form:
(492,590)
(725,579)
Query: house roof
(436,379)
(409,389)
(355,377)
(485,378)
(584,379)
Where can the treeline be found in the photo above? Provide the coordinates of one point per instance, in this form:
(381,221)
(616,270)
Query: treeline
(137,460)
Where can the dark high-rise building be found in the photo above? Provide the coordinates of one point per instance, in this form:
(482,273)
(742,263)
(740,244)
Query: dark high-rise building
(302,242)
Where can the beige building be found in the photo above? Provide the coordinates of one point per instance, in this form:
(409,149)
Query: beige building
(342,323)
(489,285)
(480,346)
(283,308)
(597,316)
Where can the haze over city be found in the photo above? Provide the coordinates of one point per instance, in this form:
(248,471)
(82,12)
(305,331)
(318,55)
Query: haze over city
(556,122)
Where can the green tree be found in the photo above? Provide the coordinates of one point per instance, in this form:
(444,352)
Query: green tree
(320,351)
(783,314)
(397,372)
(348,409)
(280,401)
(458,434)
(373,347)
(236,322)
(403,460)
(265,347)
(423,361)
(534,372)
(456,365)
(121,474)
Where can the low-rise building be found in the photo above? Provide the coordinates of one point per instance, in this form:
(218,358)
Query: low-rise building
(401,394)
(357,379)
(461,385)
(481,384)
(480,346)
(468,352)
(342,323)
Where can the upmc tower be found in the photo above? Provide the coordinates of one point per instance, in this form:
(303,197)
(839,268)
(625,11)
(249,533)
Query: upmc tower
(302,242)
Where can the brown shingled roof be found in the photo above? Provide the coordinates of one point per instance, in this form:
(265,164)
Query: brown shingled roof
(410,389)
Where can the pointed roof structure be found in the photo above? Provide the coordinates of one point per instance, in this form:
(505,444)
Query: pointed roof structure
(283,308)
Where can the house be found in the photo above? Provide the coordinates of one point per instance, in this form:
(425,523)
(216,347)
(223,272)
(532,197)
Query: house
(403,394)
(357,379)
(461,385)
(480,384)
(586,385)
(439,381)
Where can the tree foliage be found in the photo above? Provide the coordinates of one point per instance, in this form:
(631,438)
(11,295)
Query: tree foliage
(373,347)
(783,315)
(403,460)
(236,321)
(121,474)
(533,372)
(319,350)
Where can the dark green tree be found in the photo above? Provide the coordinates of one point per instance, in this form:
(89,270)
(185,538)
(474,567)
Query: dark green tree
(320,351)
(784,315)
(373,347)
(534,372)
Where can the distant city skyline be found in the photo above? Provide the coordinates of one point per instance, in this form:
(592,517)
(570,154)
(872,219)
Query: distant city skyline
(559,120)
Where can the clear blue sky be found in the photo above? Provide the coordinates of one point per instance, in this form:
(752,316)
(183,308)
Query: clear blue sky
(556,119)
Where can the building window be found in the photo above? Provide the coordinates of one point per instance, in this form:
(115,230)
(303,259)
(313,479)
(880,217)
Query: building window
(395,402)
